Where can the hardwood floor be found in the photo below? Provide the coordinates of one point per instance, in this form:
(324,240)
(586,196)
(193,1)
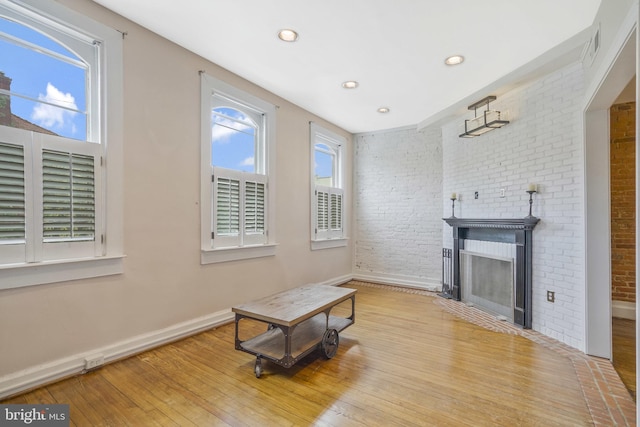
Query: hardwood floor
(624,352)
(405,361)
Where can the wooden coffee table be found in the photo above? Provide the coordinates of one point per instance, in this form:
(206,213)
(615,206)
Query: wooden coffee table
(297,322)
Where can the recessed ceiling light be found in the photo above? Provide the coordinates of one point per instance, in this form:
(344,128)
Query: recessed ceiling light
(384,110)
(454,60)
(351,84)
(287,35)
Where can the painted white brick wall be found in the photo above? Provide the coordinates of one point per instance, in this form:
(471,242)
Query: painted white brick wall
(543,144)
(398,188)
(403,180)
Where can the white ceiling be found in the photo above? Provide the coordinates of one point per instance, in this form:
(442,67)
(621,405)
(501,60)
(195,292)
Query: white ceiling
(394,49)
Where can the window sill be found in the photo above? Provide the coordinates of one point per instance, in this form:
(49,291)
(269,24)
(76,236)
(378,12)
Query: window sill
(328,244)
(31,274)
(212,256)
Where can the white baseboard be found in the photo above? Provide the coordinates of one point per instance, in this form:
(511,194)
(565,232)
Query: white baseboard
(623,309)
(408,281)
(336,280)
(36,376)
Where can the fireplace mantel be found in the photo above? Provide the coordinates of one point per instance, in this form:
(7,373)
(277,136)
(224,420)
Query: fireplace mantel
(526,223)
(518,231)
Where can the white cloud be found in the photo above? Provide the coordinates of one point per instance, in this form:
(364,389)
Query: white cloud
(249,161)
(224,128)
(50,116)
(221,134)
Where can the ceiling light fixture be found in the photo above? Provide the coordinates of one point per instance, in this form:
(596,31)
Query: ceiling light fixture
(488,121)
(384,110)
(287,35)
(351,84)
(454,60)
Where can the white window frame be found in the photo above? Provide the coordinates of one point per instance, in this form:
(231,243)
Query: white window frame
(211,251)
(329,238)
(105,256)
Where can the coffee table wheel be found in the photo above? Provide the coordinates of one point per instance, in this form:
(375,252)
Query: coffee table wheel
(329,343)
(258,368)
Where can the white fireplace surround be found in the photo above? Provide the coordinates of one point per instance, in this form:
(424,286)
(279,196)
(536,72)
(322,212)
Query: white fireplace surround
(498,249)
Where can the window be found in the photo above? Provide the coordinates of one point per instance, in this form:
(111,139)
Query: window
(237,157)
(327,189)
(53,178)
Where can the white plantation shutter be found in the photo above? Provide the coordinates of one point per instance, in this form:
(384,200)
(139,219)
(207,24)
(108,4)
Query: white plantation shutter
(12,194)
(69,217)
(48,198)
(254,207)
(226,202)
(227,207)
(255,231)
(329,212)
(68,190)
(322,211)
(336,211)
(239,216)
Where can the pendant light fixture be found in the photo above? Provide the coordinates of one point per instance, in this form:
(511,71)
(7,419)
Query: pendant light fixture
(488,121)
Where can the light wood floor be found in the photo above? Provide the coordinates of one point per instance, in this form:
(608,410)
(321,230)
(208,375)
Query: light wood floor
(404,362)
(624,352)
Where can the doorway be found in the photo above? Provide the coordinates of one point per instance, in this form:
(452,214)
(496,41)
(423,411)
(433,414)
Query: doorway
(598,307)
(622,155)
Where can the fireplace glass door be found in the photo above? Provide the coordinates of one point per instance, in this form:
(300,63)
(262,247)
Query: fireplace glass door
(487,281)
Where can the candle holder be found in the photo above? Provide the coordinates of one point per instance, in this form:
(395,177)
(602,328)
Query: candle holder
(453,207)
(530,201)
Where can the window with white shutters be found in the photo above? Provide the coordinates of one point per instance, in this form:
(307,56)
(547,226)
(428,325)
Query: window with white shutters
(237,150)
(47,164)
(61,79)
(327,209)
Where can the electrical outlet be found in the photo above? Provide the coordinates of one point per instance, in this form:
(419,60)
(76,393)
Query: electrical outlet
(94,361)
(551,296)
(502,192)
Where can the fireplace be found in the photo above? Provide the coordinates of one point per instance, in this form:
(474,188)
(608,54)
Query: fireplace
(486,281)
(517,232)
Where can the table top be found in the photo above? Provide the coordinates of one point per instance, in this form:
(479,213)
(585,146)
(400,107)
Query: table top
(294,305)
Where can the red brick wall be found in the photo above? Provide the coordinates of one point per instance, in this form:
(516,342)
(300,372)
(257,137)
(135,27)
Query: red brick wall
(5,101)
(623,214)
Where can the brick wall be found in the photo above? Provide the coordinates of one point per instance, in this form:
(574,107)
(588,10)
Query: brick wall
(543,144)
(623,230)
(399,180)
(5,101)
(398,188)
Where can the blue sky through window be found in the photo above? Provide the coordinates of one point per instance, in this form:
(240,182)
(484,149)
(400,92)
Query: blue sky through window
(233,140)
(48,90)
(323,159)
